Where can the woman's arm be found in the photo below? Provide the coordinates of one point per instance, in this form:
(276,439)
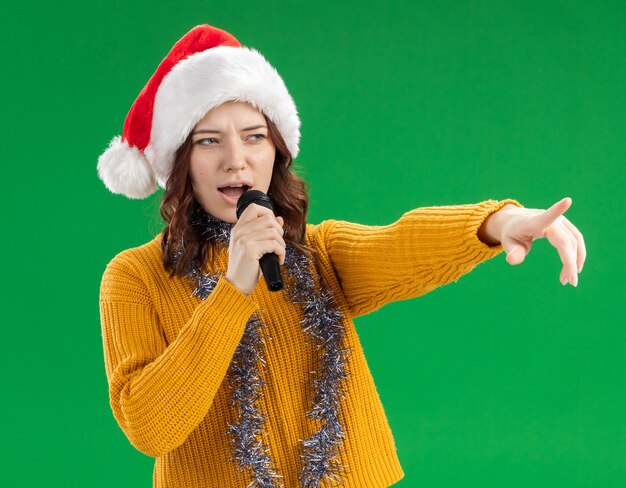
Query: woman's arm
(160,393)
(424,249)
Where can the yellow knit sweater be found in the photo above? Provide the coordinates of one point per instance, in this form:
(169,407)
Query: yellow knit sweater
(166,352)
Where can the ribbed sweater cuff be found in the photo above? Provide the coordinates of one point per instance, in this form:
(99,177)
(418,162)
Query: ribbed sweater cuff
(231,300)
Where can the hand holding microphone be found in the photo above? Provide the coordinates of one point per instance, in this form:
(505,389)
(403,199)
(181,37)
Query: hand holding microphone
(256,244)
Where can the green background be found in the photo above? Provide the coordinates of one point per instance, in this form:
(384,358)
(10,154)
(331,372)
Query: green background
(505,378)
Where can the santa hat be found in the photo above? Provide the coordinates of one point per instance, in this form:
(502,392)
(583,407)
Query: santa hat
(205,68)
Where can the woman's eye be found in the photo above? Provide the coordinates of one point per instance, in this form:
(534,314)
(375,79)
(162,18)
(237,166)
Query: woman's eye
(212,140)
(201,141)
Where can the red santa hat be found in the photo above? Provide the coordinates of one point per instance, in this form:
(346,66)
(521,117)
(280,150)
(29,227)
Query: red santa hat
(204,69)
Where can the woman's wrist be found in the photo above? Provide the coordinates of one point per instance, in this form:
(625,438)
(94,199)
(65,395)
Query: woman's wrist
(230,280)
(491,228)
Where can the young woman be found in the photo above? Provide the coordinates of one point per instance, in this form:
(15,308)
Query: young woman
(228,384)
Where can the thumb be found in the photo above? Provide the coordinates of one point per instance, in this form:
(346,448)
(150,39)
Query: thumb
(515,255)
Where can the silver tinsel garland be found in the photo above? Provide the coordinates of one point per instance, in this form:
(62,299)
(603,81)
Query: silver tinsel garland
(323,322)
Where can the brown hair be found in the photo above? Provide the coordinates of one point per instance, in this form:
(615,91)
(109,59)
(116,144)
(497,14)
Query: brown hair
(289,195)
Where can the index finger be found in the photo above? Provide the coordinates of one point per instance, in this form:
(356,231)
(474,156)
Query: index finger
(547,217)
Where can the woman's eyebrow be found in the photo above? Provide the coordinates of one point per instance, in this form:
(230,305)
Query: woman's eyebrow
(207,131)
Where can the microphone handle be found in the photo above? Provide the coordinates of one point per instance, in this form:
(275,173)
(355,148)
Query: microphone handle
(271,271)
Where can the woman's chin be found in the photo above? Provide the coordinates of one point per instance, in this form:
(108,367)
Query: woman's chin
(230,216)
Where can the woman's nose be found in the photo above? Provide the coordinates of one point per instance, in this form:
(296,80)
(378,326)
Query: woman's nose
(234,156)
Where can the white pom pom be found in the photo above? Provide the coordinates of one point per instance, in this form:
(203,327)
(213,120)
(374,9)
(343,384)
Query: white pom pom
(126,171)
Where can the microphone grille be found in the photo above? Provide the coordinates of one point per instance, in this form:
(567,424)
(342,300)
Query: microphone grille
(253,196)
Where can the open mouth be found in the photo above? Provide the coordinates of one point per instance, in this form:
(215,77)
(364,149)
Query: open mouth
(234,191)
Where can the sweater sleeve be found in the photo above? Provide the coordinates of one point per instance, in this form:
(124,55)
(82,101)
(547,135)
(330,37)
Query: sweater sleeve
(160,393)
(425,248)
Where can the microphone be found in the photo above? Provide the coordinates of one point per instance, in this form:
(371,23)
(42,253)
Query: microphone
(269,261)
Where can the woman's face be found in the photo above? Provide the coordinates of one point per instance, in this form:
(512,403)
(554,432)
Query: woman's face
(230,145)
